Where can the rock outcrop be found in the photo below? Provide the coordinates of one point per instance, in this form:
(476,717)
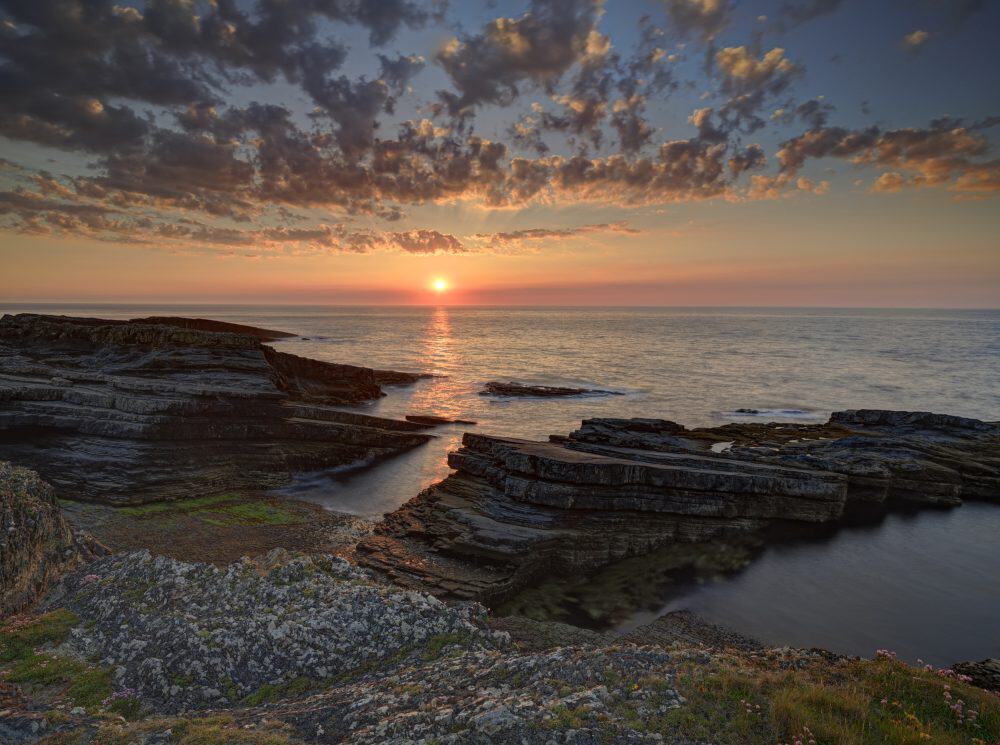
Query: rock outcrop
(36,543)
(496,388)
(129,412)
(985,673)
(517,510)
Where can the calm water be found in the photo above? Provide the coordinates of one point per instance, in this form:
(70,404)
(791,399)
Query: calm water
(908,582)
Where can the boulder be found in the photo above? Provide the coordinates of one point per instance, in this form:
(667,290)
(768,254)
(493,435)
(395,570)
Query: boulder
(36,543)
(128,412)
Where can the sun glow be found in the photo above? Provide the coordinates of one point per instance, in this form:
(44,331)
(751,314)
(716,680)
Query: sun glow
(440,284)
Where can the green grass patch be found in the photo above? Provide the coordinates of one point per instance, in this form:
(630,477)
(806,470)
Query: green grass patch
(86,685)
(180,505)
(863,702)
(250,513)
(221,510)
(268,692)
(52,628)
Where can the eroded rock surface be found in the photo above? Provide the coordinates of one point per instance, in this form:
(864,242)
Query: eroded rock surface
(36,543)
(517,510)
(130,412)
(199,636)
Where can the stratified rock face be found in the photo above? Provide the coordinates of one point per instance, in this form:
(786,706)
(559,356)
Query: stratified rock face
(496,388)
(134,412)
(516,510)
(36,543)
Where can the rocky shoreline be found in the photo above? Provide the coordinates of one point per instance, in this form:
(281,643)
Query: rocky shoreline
(516,510)
(330,631)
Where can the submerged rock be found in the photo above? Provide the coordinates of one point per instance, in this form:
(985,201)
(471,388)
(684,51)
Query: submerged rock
(495,388)
(431,420)
(131,412)
(515,511)
(36,543)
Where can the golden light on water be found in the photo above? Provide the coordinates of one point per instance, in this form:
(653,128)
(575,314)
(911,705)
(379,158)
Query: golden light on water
(440,284)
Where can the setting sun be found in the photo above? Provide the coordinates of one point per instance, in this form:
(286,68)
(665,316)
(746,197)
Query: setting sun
(440,284)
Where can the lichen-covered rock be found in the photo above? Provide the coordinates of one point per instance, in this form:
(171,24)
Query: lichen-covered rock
(128,412)
(36,543)
(193,636)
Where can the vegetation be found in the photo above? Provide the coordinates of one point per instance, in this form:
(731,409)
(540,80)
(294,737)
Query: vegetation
(22,655)
(230,509)
(880,701)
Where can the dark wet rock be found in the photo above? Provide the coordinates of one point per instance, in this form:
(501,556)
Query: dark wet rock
(985,673)
(517,511)
(205,324)
(432,421)
(496,388)
(132,412)
(686,629)
(36,543)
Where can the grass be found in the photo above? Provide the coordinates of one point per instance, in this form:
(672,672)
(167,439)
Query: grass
(268,692)
(20,652)
(858,702)
(209,730)
(52,628)
(222,510)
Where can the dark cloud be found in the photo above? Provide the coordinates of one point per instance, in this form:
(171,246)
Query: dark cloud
(702,18)
(536,48)
(792,14)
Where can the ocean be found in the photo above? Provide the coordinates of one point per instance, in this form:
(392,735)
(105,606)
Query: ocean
(696,366)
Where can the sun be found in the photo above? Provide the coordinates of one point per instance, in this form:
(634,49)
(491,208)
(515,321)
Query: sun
(440,284)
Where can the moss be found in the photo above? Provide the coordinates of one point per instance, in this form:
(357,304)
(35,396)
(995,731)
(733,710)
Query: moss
(268,693)
(251,513)
(62,738)
(86,685)
(222,510)
(435,646)
(51,628)
(129,707)
(181,505)
(210,730)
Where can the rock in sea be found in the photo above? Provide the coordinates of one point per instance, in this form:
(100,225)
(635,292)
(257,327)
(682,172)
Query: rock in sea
(132,411)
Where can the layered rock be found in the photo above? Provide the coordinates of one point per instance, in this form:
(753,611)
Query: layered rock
(885,455)
(130,412)
(517,510)
(36,543)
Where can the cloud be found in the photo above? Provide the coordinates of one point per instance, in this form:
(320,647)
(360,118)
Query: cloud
(702,18)
(792,14)
(537,48)
(945,154)
(515,239)
(914,40)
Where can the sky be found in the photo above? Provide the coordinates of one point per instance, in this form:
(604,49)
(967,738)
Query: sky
(567,152)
